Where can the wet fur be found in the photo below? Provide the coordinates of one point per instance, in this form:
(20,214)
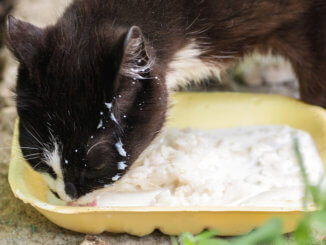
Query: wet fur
(132,54)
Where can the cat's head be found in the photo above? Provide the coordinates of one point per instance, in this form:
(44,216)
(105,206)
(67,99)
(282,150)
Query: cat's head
(89,99)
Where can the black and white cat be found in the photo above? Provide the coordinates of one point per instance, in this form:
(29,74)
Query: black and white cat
(93,89)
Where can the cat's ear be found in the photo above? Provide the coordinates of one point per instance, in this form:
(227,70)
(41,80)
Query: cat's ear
(136,61)
(23,39)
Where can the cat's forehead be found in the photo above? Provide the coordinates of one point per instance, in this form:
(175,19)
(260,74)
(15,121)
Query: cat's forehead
(68,37)
(77,66)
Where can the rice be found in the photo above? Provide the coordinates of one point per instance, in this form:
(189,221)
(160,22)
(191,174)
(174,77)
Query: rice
(247,166)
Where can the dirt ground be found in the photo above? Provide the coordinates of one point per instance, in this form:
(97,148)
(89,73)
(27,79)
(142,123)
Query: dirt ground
(22,224)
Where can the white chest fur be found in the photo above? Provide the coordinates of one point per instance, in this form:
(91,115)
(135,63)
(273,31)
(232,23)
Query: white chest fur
(186,66)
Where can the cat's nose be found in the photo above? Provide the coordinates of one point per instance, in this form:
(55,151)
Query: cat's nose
(71,190)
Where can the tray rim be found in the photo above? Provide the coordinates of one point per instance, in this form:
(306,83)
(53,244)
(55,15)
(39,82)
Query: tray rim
(175,209)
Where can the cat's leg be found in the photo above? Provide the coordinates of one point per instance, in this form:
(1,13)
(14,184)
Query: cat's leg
(312,80)
(307,53)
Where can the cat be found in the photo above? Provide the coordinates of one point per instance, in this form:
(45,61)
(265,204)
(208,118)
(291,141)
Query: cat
(93,89)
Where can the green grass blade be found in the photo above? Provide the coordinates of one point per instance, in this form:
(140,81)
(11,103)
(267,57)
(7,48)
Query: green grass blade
(187,238)
(302,234)
(302,170)
(174,240)
(206,234)
(214,241)
(267,233)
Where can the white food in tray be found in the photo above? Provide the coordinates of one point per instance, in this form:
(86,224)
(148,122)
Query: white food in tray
(248,166)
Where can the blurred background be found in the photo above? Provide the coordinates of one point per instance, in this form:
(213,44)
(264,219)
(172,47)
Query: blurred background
(19,222)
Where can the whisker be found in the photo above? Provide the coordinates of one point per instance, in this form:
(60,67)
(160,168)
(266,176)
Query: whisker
(101,142)
(32,148)
(34,154)
(38,164)
(32,158)
(44,145)
(35,131)
(192,23)
(34,136)
(22,147)
(27,158)
(29,149)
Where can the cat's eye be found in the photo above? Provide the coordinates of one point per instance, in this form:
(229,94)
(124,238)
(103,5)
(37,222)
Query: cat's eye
(94,167)
(98,167)
(93,173)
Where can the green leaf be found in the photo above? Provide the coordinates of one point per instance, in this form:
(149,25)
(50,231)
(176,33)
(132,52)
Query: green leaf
(280,241)
(206,235)
(174,240)
(33,229)
(302,235)
(318,221)
(204,238)
(214,241)
(267,233)
(187,238)
(302,169)
(316,194)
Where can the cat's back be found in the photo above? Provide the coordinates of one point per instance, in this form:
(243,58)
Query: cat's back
(130,12)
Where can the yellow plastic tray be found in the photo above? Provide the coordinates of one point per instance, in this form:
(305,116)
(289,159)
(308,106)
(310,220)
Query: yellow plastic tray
(196,110)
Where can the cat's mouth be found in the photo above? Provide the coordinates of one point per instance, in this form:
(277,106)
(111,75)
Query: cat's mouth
(74,202)
(57,187)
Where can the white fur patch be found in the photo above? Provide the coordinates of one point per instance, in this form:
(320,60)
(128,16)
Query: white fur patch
(186,66)
(53,159)
(56,185)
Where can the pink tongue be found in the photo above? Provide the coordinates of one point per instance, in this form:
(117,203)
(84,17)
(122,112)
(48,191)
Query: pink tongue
(92,204)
